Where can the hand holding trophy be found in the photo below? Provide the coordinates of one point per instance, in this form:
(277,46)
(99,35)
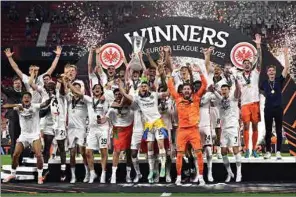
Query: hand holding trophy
(136,62)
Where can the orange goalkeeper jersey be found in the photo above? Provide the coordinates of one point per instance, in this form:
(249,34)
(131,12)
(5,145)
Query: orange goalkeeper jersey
(188,110)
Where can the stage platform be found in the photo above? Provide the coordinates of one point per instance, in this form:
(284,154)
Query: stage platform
(253,169)
(144,189)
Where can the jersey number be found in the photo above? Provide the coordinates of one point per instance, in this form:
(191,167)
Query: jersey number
(103,141)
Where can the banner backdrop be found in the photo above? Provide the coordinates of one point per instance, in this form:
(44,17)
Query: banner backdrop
(188,37)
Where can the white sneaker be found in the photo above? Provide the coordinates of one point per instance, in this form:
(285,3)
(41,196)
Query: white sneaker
(267,155)
(103,177)
(201,180)
(128,179)
(238,178)
(168,178)
(210,177)
(195,180)
(92,177)
(229,177)
(73,180)
(86,178)
(219,155)
(113,179)
(178,180)
(278,155)
(137,178)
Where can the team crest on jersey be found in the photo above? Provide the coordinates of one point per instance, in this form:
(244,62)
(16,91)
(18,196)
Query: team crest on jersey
(241,52)
(111,54)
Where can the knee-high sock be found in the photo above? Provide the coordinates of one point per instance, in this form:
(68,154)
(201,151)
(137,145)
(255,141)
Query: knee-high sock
(179,161)
(209,158)
(200,162)
(254,139)
(246,138)
(151,160)
(227,164)
(136,165)
(162,157)
(238,160)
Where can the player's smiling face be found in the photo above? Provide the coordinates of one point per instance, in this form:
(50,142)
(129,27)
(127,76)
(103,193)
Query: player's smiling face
(247,65)
(26,99)
(144,89)
(97,90)
(118,96)
(111,71)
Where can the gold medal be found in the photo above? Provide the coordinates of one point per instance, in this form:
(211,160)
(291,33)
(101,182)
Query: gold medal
(249,85)
(272,91)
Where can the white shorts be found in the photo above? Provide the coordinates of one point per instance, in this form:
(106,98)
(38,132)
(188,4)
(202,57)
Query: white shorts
(60,134)
(230,137)
(76,137)
(27,140)
(206,135)
(98,138)
(154,134)
(215,117)
(48,131)
(136,139)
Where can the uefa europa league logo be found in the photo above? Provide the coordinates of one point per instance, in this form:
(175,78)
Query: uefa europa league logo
(138,43)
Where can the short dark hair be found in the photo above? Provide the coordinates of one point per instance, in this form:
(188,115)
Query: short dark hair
(187,84)
(98,84)
(225,86)
(75,83)
(246,60)
(116,90)
(27,93)
(15,78)
(270,66)
(46,75)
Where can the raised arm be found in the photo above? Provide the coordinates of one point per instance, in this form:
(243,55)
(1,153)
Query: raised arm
(98,68)
(31,81)
(122,91)
(14,66)
(74,90)
(90,59)
(151,61)
(172,89)
(204,85)
(54,64)
(207,54)
(259,51)
(167,57)
(287,63)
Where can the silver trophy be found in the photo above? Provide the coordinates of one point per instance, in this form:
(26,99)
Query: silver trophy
(138,43)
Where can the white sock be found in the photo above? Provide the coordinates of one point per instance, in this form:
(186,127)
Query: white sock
(39,172)
(218,150)
(136,165)
(209,158)
(151,160)
(13,172)
(86,169)
(238,159)
(103,173)
(63,167)
(92,173)
(162,156)
(226,164)
(45,166)
(128,171)
(196,165)
(73,172)
(114,169)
